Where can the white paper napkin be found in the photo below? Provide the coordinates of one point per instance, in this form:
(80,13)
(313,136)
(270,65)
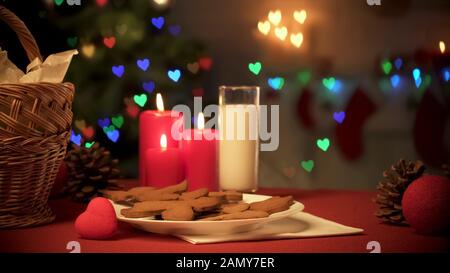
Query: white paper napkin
(299,225)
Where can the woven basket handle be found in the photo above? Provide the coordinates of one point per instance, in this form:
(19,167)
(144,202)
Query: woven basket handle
(26,39)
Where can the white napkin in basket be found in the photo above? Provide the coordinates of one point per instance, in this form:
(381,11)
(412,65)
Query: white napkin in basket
(299,225)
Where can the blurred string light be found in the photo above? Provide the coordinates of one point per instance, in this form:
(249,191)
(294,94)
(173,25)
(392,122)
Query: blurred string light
(131,109)
(109,42)
(425,83)
(75,139)
(122,29)
(276,83)
(274,17)
(89,144)
(112,133)
(281,32)
(398,63)
(416,76)
(255,67)
(297,39)
(329,82)
(418,82)
(140,100)
(442,46)
(416,73)
(446,74)
(395,81)
(88,50)
(337,86)
(264,27)
(332,84)
(386,66)
(300,16)
(385,85)
(304,77)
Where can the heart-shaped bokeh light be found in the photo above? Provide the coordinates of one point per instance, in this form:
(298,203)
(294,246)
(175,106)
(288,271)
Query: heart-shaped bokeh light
(274,17)
(281,33)
(297,39)
(300,16)
(264,27)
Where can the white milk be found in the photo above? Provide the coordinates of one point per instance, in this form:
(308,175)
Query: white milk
(238,147)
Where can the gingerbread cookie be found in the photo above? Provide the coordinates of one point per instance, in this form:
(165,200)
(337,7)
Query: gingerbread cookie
(118,196)
(147,209)
(178,213)
(167,193)
(229,196)
(233,208)
(130,213)
(273,204)
(157,206)
(205,204)
(248,214)
(156,196)
(233,196)
(174,203)
(140,190)
(178,188)
(194,194)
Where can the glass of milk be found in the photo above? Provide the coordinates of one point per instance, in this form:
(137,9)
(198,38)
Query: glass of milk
(239,138)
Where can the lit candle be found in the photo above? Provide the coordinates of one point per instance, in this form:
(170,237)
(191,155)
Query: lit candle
(164,165)
(153,124)
(200,154)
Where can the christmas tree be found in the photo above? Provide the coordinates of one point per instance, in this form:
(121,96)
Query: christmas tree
(126,50)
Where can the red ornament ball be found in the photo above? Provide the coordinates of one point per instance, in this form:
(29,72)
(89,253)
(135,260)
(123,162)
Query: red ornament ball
(98,221)
(61,180)
(426,204)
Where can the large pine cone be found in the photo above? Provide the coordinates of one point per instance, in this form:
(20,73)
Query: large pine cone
(390,190)
(90,170)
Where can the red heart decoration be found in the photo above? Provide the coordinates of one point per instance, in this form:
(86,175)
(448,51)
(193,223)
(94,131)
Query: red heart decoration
(109,41)
(205,63)
(88,132)
(101,3)
(98,221)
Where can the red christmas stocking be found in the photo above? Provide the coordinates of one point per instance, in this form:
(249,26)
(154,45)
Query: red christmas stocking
(304,105)
(429,129)
(349,133)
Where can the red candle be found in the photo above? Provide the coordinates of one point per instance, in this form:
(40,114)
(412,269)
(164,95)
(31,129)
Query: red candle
(164,165)
(200,155)
(153,124)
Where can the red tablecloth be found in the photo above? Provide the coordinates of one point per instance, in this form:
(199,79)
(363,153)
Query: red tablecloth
(353,208)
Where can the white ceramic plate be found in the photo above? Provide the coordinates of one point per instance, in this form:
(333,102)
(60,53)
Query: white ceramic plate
(207,227)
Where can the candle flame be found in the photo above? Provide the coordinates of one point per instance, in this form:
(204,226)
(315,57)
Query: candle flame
(201,121)
(159,102)
(442,46)
(163,141)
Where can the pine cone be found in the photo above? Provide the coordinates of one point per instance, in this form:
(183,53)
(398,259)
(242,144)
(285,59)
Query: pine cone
(90,170)
(390,190)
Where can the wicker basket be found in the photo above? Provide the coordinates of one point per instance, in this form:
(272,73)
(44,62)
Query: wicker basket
(35,124)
